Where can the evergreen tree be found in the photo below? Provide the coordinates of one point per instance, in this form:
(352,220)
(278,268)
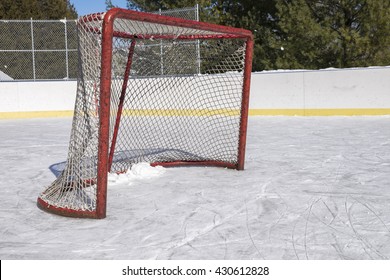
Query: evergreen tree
(377,28)
(333,33)
(259,17)
(109,5)
(37,9)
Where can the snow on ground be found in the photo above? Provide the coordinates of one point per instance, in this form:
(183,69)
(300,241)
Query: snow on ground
(139,171)
(313,188)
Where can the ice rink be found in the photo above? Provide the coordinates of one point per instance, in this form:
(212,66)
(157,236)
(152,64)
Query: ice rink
(313,188)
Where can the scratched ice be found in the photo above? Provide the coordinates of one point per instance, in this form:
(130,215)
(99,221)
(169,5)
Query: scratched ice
(313,188)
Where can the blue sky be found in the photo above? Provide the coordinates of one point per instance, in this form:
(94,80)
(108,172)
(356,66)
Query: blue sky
(85,7)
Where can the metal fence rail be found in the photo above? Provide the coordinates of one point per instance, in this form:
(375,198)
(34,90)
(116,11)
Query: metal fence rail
(47,49)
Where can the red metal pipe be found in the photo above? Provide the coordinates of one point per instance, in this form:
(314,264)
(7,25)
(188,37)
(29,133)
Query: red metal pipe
(165,20)
(65,211)
(127,35)
(121,101)
(178,37)
(104,115)
(195,163)
(245,103)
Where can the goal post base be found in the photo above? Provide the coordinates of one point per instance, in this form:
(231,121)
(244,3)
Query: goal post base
(197,163)
(43,205)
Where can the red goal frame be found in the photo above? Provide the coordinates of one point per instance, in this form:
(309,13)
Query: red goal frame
(105,148)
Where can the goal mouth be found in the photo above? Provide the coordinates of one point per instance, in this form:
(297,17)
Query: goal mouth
(156,89)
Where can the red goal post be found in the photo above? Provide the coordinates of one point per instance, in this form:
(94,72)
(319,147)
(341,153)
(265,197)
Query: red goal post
(152,88)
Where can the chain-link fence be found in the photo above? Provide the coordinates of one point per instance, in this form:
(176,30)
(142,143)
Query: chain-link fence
(192,48)
(38,49)
(191,13)
(47,49)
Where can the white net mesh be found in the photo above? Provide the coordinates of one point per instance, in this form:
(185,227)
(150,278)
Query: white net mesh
(181,102)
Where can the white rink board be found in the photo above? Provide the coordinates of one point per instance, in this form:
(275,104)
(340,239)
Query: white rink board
(277,91)
(330,88)
(37,96)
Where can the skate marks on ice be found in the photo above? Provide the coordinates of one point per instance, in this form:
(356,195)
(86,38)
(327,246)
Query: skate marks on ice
(313,188)
(333,176)
(355,231)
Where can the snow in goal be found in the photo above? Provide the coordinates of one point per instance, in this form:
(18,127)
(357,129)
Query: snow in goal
(154,89)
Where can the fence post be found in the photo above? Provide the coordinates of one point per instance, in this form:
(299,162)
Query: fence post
(32,47)
(161,51)
(66,49)
(197,41)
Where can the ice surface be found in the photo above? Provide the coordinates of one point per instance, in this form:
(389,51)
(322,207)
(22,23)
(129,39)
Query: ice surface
(313,188)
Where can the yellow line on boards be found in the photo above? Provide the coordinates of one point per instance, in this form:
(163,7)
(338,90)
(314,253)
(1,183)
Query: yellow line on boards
(35,114)
(211,112)
(321,112)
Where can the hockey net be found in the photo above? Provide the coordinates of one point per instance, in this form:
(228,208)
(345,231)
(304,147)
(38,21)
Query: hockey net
(151,89)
